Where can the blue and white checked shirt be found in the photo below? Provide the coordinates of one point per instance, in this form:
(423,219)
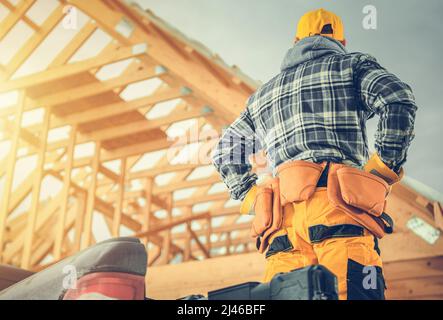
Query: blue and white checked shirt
(316,110)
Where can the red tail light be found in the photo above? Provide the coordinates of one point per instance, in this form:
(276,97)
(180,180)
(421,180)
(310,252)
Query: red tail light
(108,285)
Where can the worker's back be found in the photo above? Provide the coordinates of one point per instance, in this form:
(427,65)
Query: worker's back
(311,110)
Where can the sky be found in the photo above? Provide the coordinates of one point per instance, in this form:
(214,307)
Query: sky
(255,35)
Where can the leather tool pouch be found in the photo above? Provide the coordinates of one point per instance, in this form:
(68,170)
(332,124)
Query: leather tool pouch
(263,211)
(363,190)
(298,180)
(268,213)
(362,196)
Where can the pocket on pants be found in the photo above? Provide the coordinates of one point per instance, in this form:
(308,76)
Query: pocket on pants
(320,232)
(364,282)
(279,244)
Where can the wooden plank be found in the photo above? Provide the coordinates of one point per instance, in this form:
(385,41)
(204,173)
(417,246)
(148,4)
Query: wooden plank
(109,173)
(197,241)
(7,189)
(28,48)
(169,224)
(116,221)
(91,89)
(46,211)
(79,39)
(21,192)
(186,184)
(79,221)
(139,126)
(197,76)
(187,212)
(415,268)
(168,282)
(198,277)
(407,246)
(58,73)
(167,235)
(39,173)
(216,230)
(146,214)
(91,200)
(60,230)
(416,288)
(14,16)
(113,109)
(206,198)
(162,169)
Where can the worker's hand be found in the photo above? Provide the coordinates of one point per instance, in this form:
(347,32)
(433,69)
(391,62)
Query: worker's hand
(259,163)
(248,203)
(377,167)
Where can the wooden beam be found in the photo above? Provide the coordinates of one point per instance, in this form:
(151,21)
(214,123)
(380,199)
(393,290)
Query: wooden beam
(162,169)
(407,245)
(79,39)
(169,224)
(139,126)
(46,211)
(212,197)
(113,109)
(187,212)
(186,184)
(197,76)
(60,230)
(169,282)
(30,226)
(60,72)
(79,221)
(109,173)
(154,145)
(197,241)
(91,89)
(91,201)
(146,215)
(167,239)
(7,189)
(14,16)
(28,48)
(116,221)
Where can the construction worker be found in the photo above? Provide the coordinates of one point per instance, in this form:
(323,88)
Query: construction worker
(324,203)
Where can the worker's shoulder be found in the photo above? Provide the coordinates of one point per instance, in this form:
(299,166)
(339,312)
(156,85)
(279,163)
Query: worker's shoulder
(270,89)
(351,58)
(265,90)
(360,57)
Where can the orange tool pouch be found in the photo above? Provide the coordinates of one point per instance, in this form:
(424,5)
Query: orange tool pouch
(361,195)
(296,181)
(268,213)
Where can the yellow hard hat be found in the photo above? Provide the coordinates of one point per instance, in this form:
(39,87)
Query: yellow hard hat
(320,22)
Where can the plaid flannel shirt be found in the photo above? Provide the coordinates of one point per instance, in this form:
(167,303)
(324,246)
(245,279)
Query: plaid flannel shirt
(317,111)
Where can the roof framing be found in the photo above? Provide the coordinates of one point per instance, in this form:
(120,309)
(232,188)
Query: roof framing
(178,216)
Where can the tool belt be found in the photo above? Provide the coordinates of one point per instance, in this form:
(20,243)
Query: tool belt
(359,194)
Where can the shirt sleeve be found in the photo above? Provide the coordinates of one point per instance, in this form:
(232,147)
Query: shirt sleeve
(392,100)
(231,156)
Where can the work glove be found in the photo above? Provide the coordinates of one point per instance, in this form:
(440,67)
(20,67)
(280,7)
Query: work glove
(377,167)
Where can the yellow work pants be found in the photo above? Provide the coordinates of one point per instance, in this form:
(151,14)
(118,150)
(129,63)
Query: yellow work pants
(316,232)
